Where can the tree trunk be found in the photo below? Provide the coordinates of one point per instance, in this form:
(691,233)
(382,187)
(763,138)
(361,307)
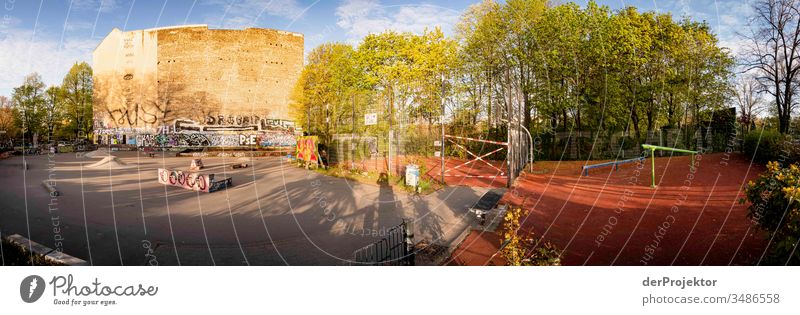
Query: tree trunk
(635,122)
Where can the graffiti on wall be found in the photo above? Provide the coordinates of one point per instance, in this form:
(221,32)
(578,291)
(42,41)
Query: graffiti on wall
(276,139)
(216,123)
(306,149)
(266,139)
(136,115)
(192,181)
(173,140)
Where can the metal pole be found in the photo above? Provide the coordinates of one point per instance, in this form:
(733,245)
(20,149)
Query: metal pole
(389,154)
(441,147)
(653,164)
(441,121)
(354,115)
(530,137)
(509,153)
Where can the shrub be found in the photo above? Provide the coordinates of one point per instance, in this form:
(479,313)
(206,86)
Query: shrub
(764,145)
(519,248)
(774,206)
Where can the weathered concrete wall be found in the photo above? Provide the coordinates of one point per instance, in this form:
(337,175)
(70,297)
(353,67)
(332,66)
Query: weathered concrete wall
(195,79)
(125,87)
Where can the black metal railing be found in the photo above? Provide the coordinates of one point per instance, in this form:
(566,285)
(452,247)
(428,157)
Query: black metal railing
(393,250)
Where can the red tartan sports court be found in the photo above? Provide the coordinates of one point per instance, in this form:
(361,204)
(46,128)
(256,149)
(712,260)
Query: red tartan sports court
(616,218)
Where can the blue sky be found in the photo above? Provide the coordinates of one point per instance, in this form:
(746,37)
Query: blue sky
(48,36)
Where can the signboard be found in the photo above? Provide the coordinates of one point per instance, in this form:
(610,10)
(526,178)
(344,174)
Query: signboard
(370,119)
(437,154)
(437,143)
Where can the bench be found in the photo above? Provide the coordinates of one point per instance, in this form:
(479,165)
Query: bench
(615,164)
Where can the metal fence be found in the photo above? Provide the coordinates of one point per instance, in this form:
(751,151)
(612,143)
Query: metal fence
(392,250)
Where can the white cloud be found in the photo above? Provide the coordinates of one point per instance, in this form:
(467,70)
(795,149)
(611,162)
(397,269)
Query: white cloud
(736,45)
(731,21)
(361,17)
(22,54)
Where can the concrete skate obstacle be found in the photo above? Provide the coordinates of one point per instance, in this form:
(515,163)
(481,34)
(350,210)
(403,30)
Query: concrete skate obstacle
(110,162)
(99,153)
(193,181)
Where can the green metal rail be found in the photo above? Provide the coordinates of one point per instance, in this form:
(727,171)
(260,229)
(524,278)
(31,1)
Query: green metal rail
(653,149)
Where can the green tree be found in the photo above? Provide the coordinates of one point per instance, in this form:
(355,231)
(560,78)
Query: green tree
(324,96)
(433,58)
(29,102)
(478,33)
(385,61)
(77,92)
(53,108)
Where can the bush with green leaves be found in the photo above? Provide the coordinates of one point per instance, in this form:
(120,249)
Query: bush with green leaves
(775,206)
(764,145)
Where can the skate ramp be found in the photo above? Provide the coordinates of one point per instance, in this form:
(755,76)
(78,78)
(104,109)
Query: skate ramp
(110,162)
(99,153)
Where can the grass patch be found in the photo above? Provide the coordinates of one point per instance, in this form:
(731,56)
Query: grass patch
(426,185)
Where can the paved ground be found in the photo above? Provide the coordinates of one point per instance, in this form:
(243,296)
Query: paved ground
(615,218)
(275,214)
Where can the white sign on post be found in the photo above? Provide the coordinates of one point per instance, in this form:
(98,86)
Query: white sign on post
(437,143)
(370,119)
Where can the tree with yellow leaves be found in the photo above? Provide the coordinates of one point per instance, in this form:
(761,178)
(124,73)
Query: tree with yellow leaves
(519,247)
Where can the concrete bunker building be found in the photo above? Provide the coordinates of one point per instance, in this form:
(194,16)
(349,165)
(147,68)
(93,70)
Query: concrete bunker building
(213,84)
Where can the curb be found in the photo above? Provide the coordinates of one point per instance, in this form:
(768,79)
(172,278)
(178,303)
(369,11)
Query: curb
(49,254)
